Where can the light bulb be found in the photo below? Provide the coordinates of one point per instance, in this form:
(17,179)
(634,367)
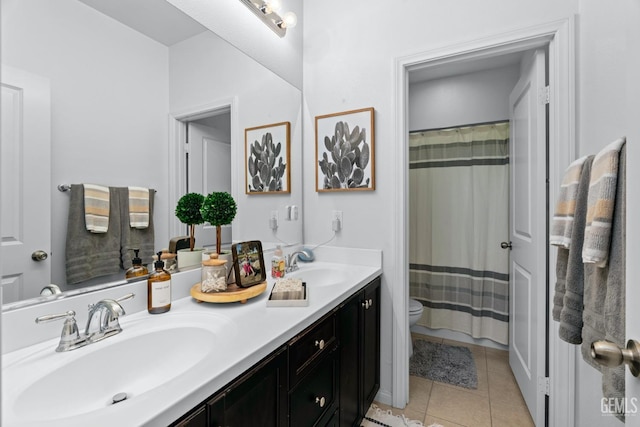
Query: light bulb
(289,20)
(272,6)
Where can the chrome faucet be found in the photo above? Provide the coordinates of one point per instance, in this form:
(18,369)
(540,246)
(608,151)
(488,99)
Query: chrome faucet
(291,260)
(107,311)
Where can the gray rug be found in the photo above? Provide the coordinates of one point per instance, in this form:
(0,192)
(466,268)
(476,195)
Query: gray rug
(444,363)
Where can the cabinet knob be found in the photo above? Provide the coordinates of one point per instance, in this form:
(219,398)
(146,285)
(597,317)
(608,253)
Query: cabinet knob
(370,303)
(320,344)
(365,305)
(321,401)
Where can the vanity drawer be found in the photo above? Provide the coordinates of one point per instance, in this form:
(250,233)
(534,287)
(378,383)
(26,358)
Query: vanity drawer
(309,346)
(313,401)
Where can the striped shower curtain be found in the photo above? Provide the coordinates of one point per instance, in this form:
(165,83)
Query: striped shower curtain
(459,215)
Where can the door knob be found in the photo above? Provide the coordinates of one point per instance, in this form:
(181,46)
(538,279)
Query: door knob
(39,256)
(505,245)
(608,354)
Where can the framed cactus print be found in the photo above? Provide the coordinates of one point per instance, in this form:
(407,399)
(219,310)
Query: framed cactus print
(267,159)
(345,151)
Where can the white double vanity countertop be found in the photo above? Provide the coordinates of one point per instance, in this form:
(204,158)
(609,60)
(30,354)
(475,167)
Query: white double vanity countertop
(166,363)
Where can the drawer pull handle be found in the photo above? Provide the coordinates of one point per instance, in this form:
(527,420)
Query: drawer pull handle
(321,401)
(320,345)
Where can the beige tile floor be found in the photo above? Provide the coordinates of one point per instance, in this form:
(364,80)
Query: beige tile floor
(497,402)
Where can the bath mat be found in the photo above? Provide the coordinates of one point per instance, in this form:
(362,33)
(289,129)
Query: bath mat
(444,363)
(376,417)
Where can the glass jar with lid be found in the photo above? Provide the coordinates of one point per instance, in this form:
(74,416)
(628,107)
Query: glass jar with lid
(214,275)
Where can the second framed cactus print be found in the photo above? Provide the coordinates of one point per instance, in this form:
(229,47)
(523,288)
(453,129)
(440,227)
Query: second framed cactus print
(345,151)
(267,159)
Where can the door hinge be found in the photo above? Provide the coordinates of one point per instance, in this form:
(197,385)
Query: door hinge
(544,385)
(544,95)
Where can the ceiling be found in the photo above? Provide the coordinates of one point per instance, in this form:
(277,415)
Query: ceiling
(157,19)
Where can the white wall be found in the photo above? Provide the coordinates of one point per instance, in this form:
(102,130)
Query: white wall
(205,69)
(609,107)
(109,98)
(349,52)
(235,23)
(478,97)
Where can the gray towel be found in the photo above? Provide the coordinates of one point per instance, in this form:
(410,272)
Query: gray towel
(572,305)
(90,255)
(135,238)
(561,282)
(614,303)
(604,286)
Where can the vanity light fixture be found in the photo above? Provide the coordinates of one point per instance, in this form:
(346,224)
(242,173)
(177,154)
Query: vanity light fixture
(267,11)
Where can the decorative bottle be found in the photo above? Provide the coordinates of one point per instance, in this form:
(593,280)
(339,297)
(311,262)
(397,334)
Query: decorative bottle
(137,269)
(159,289)
(214,275)
(277,264)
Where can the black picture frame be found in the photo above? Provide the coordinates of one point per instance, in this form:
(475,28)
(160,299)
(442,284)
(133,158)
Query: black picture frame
(248,265)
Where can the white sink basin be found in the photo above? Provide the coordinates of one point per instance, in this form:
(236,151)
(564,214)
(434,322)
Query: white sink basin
(319,275)
(151,351)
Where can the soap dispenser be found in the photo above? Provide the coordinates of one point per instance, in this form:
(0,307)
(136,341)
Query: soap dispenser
(159,289)
(137,269)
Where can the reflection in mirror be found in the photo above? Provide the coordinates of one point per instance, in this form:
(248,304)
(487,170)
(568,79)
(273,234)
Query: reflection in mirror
(110,74)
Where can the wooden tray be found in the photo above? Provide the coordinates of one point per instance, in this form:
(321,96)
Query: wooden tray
(233,293)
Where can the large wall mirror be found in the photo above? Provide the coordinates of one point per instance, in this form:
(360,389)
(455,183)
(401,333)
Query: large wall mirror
(131,86)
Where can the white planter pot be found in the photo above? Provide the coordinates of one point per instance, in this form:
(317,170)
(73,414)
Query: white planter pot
(190,258)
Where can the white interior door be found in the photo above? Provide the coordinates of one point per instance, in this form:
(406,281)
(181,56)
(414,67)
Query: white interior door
(209,170)
(528,233)
(26,178)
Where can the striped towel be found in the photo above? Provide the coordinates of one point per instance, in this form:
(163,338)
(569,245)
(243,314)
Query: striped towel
(138,207)
(600,203)
(562,223)
(96,208)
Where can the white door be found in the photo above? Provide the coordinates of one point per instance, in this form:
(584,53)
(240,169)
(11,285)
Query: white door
(26,183)
(528,233)
(209,171)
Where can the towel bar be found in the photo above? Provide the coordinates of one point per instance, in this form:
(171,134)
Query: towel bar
(66,187)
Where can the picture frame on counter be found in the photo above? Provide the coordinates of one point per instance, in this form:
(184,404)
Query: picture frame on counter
(248,266)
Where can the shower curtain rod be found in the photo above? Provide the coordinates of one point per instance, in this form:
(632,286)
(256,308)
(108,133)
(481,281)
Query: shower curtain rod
(495,122)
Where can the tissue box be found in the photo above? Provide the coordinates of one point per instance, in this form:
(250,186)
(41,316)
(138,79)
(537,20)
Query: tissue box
(288,293)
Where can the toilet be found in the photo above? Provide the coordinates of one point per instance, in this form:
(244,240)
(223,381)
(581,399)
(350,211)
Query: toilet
(415,313)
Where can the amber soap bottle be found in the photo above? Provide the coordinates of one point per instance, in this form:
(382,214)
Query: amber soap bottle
(159,289)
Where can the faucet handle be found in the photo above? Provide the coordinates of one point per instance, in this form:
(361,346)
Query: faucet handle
(125,297)
(70,336)
(50,317)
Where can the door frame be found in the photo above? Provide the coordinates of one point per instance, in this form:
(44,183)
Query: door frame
(177,136)
(559,37)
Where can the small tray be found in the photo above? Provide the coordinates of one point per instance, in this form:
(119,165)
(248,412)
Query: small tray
(233,293)
(290,302)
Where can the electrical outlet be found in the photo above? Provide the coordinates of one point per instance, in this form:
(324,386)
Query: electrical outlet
(273,220)
(336,221)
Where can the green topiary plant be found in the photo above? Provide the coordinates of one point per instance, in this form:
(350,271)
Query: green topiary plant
(188,212)
(218,209)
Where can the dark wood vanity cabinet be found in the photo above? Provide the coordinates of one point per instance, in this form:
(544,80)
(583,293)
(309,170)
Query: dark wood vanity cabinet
(325,376)
(359,336)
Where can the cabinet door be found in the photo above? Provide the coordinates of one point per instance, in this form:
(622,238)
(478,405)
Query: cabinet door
(371,344)
(349,333)
(258,398)
(196,419)
(314,398)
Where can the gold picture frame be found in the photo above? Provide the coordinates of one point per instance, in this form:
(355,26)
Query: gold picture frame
(267,159)
(345,143)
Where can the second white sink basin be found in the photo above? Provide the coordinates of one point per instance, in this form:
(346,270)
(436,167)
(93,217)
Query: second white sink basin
(319,275)
(47,386)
